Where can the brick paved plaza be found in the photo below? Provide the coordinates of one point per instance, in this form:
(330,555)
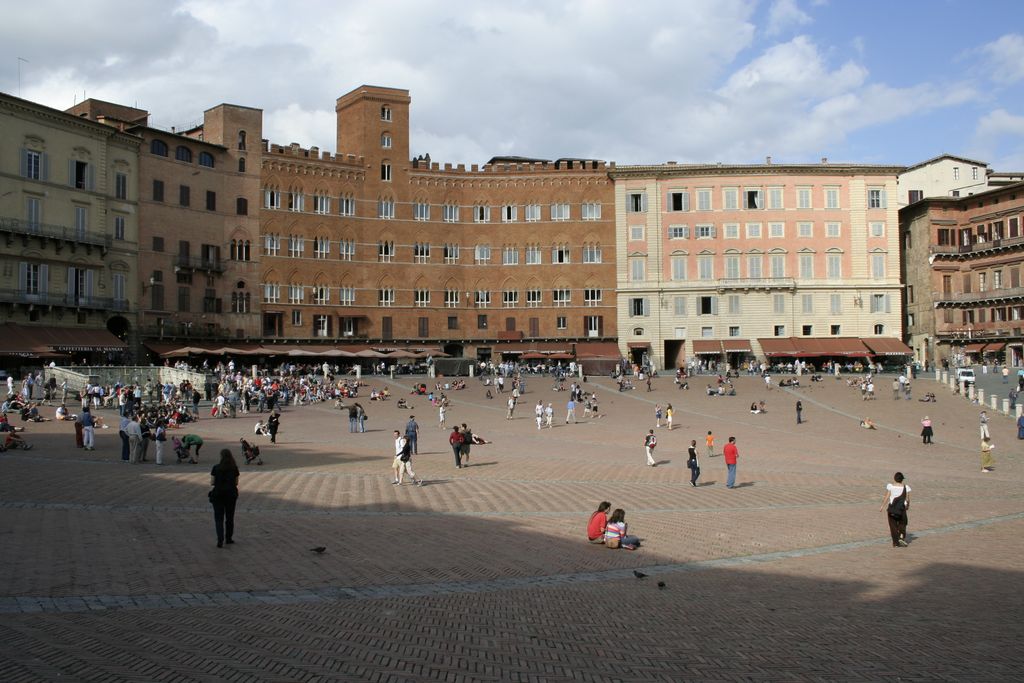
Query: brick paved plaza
(111,571)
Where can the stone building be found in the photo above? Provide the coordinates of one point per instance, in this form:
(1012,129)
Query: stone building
(962,269)
(69,233)
(198,211)
(371,245)
(731,263)
(946,175)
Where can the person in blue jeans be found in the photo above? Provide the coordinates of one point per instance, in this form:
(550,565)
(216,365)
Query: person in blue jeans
(353,418)
(412,431)
(731,455)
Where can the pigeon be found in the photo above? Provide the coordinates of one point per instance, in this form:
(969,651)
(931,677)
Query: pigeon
(661,584)
(319,550)
(639,575)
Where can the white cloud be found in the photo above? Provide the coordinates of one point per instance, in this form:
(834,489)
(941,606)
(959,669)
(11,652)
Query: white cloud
(785,15)
(1004,58)
(999,137)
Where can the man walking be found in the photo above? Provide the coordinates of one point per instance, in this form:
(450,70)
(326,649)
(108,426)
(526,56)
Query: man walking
(511,407)
(799,412)
(650,442)
(403,460)
(455,440)
(983,429)
(134,431)
(538,412)
(549,415)
(412,432)
(570,410)
(731,454)
(692,463)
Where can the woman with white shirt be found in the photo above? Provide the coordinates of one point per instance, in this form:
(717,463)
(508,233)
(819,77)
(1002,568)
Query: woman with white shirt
(896,503)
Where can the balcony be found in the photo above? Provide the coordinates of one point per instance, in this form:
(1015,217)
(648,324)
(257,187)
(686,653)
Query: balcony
(986,248)
(725,284)
(990,296)
(19,296)
(205,264)
(59,233)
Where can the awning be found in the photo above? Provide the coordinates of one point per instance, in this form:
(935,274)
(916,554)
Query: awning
(28,340)
(778,346)
(736,346)
(527,347)
(887,346)
(974,348)
(995,347)
(639,345)
(707,347)
(598,350)
(841,346)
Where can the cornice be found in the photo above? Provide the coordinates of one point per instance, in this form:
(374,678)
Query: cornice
(662,171)
(39,111)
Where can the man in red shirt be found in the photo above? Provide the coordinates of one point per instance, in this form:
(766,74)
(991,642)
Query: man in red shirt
(731,454)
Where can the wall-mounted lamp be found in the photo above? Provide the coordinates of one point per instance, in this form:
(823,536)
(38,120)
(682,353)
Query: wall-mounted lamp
(148,284)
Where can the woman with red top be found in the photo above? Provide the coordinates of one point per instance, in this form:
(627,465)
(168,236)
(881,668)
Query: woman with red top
(598,522)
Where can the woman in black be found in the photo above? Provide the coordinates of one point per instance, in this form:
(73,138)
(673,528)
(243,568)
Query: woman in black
(273,424)
(691,462)
(224,477)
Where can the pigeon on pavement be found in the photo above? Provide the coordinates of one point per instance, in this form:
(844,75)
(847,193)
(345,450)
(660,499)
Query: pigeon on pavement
(639,575)
(319,550)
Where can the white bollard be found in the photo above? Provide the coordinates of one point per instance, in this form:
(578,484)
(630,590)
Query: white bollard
(940,376)
(472,369)
(994,402)
(945,376)
(1020,411)
(980,395)
(1006,406)
(359,371)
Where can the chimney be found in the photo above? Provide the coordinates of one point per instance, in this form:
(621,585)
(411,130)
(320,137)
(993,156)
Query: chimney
(768,160)
(824,160)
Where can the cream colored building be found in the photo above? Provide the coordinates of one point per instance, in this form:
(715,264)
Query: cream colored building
(942,176)
(732,263)
(68,223)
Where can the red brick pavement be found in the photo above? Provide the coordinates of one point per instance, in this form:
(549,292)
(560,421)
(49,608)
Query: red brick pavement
(508,591)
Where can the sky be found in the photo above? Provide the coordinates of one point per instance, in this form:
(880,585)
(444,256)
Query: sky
(645,82)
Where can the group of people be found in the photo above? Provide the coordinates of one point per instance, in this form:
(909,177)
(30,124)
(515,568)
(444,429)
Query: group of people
(611,531)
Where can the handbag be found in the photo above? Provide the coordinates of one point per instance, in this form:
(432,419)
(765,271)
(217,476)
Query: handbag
(612,542)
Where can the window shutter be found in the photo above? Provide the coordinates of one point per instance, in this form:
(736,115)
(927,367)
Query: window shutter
(643,202)
(686,201)
(44,279)
(71,172)
(647,306)
(23,276)
(888,303)
(89,177)
(70,289)
(714,232)
(714,305)
(600,325)
(46,166)
(89,276)
(330,326)
(885,203)
(24,162)
(686,232)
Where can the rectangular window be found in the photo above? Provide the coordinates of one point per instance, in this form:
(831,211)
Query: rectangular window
(118,227)
(734,304)
(421,211)
(482,214)
(778,303)
(158,243)
(753,231)
(560,254)
(271,199)
(705,232)
(81,175)
(386,208)
(678,232)
(705,268)
(347,206)
(679,305)
(638,306)
(560,212)
(731,230)
(807,304)
(707,305)
(834,266)
(636,202)
(211,200)
(752,199)
(482,254)
(321,295)
(120,186)
(482,299)
(31,165)
(707,332)
(591,297)
(321,247)
(272,245)
(346,250)
(453,322)
(508,213)
(807,330)
(805,229)
(831,197)
(296,246)
(510,298)
(835,330)
(272,293)
(531,213)
(679,201)
(451,298)
(81,221)
(533,255)
(832,229)
(803,198)
(481,321)
(510,256)
(592,253)
(777,230)
(703,200)
(956,173)
(754,271)
(974,172)
(730,198)
(533,298)
(158,190)
(184,195)
(732,267)
(778,265)
(807,266)
(636,233)
(386,297)
(347,296)
(451,254)
(421,252)
(561,297)
(385,172)
(678,268)
(637,269)
(780,330)
(880,303)
(775,198)
(296,294)
(877,229)
(385,252)
(878,266)
(876,198)
(184,300)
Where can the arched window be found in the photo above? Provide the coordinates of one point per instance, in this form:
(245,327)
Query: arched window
(241,139)
(158,147)
(206,159)
(183,153)
(241,165)
(242,206)
(244,250)
(879,328)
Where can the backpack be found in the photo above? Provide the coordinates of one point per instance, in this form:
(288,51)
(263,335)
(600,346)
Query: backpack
(898,506)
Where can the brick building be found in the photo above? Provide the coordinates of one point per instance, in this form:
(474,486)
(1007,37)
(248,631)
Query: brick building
(69,235)
(199,191)
(739,262)
(371,245)
(962,269)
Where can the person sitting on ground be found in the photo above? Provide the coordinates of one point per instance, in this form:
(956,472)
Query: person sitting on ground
(598,522)
(479,440)
(710,391)
(928,398)
(615,533)
(15,440)
(402,404)
(761,407)
(30,413)
(489,394)
(62,414)
(866,423)
(754,409)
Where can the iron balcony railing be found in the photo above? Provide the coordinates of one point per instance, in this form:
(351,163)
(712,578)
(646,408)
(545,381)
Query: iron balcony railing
(21,296)
(20,226)
(1002,294)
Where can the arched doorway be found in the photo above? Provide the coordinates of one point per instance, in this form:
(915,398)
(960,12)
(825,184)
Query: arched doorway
(453,350)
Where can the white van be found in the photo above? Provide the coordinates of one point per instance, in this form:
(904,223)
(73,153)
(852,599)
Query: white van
(965,375)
